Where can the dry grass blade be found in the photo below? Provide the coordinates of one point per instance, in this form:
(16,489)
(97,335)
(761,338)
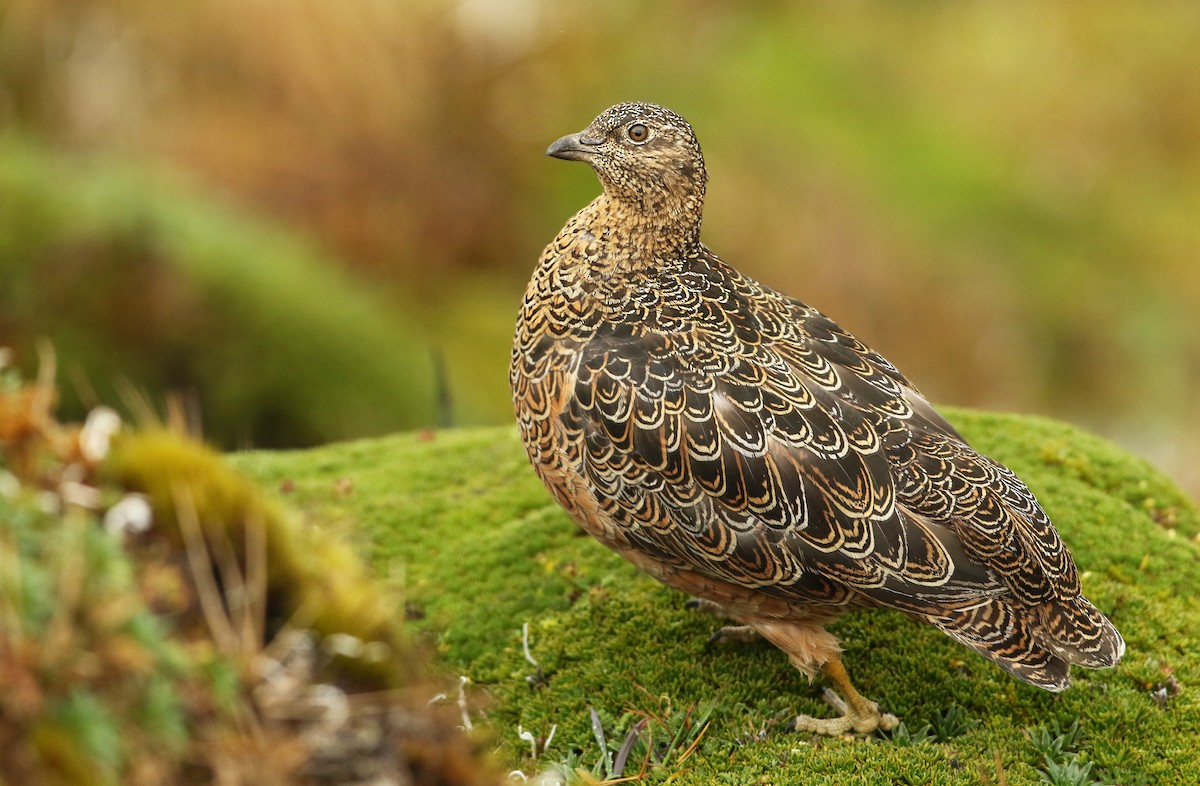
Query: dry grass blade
(254,618)
(243,589)
(199,558)
(689,750)
(137,403)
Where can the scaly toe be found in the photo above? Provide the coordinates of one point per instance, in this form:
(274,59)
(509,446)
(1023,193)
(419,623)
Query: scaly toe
(862,719)
(829,727)
(887,722)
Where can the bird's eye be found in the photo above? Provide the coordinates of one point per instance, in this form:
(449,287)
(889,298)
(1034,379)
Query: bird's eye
(638,132)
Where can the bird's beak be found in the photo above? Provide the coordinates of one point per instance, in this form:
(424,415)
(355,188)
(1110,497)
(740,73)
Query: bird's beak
(573,147)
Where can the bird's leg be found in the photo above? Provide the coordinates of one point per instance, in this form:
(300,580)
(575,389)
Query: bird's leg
(727,633)
(855,712)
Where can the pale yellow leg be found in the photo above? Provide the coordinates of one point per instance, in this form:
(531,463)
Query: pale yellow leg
(855,712)
(806,645)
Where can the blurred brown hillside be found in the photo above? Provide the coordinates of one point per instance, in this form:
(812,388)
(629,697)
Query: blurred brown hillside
(1002,198)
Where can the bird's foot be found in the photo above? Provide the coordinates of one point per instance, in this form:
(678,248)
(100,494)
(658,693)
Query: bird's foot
(732,633)
(861,716)
(727,633)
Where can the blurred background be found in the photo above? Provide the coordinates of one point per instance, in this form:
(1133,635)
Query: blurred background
(315,220)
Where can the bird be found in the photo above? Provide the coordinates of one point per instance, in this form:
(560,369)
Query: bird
(740,446)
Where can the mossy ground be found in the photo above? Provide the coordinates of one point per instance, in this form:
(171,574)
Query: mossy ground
(478,549)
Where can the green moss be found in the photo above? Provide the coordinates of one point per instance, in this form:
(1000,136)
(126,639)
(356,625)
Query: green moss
(481,550)
(312,579)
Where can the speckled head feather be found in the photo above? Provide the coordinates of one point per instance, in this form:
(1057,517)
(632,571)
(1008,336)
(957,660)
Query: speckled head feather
(740,446)
(647,159)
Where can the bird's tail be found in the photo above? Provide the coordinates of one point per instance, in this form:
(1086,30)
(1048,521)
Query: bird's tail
(1004,635)
(1079,633)
(1036,644)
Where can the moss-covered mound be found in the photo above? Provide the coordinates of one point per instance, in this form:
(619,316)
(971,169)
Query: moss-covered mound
(483,552)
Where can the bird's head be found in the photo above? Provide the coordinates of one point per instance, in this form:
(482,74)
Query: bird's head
(647,158)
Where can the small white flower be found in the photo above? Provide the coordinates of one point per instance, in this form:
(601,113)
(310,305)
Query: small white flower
(525,644)
(533,742)
(132,514)
(98,430)
(343,644)
(463,681)
(528,737)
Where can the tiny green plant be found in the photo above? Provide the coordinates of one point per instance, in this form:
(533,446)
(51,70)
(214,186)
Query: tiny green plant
(1072,772)
(951,722)
(905,736)
(1054,742)
(945,724)
(1063,764)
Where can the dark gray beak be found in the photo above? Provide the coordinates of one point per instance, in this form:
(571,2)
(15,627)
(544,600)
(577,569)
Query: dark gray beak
(573,147)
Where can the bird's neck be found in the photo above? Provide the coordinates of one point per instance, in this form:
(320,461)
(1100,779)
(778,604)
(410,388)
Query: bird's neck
(650,235)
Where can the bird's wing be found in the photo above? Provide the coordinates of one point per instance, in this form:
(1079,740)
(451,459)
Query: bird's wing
(764,463)
(750,439)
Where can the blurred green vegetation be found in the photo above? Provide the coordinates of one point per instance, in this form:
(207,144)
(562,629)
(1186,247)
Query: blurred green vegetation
(1002,198)
(137,282)
(164,622)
